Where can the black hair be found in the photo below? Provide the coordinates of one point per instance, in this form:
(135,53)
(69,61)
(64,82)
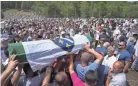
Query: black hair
(124,42)
(68,34)
(40,36)
(17,36)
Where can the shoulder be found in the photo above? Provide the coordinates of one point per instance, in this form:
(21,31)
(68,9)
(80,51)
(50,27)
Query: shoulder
(120,77)
(93,66)
(126,53)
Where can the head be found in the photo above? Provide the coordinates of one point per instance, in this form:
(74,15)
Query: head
(132,39)
(110,51)
(106,45)
(67,35)
(135,36)
(17,38)
(102,41)
(91,78)
(35,36)
(39,36)
(4,43)
(85,28)
(118,67)
(103,31)
(61,78)
(121,38)
(85,58)
(63,35)
(57,36)
(122,45)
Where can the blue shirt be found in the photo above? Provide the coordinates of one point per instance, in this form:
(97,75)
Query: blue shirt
(102,72)
(101,49)
(123,55)
(130,48)
(82,70)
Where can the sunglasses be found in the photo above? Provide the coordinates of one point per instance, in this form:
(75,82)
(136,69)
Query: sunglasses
(120,45)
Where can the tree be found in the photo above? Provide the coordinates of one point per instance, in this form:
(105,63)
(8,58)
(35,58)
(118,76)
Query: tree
(84,9)
(76,8)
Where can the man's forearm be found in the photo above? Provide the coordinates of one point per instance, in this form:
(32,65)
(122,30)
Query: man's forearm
(46,80)
(4,75)
(6,81)
(16,77)
(96,54)
(47,76)
(126,67)
(107,81)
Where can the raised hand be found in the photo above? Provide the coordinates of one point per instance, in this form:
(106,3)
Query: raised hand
(86,47)
(71,67)
(12,63)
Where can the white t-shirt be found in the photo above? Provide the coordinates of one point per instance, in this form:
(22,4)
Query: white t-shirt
(136,49)
(109,61)
(118,79)
(116,32)
(97,35)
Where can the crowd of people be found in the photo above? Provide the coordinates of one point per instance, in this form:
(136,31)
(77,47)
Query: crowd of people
(113,52)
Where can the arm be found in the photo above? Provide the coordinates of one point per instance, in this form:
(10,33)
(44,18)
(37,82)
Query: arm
(8,80)
(127,63)
(76,81)
(16,75)
(108,78)
(107,81)
(126,66)
(47,76)
(98,56)
(11,66)
(71,66)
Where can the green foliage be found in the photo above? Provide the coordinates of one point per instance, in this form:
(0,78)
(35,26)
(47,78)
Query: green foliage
(76,8)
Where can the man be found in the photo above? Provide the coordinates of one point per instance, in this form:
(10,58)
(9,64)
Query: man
(35,36)
(107,63)
(116,77)
(106,45)
(61,78)
(123,55)
(17,39)
(116,33)
(85,65)
(130,45)
(135,63)
(100,48)
(90,76)
(103,34)
(109,59)
(11,75)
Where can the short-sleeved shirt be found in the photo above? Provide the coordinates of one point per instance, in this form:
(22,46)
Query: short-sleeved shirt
(118,79)
(109,61)
(81,71)
(123,55)
(130,48)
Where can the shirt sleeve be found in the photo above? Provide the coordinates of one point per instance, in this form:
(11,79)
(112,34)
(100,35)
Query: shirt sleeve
(93,66)
(76,81)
